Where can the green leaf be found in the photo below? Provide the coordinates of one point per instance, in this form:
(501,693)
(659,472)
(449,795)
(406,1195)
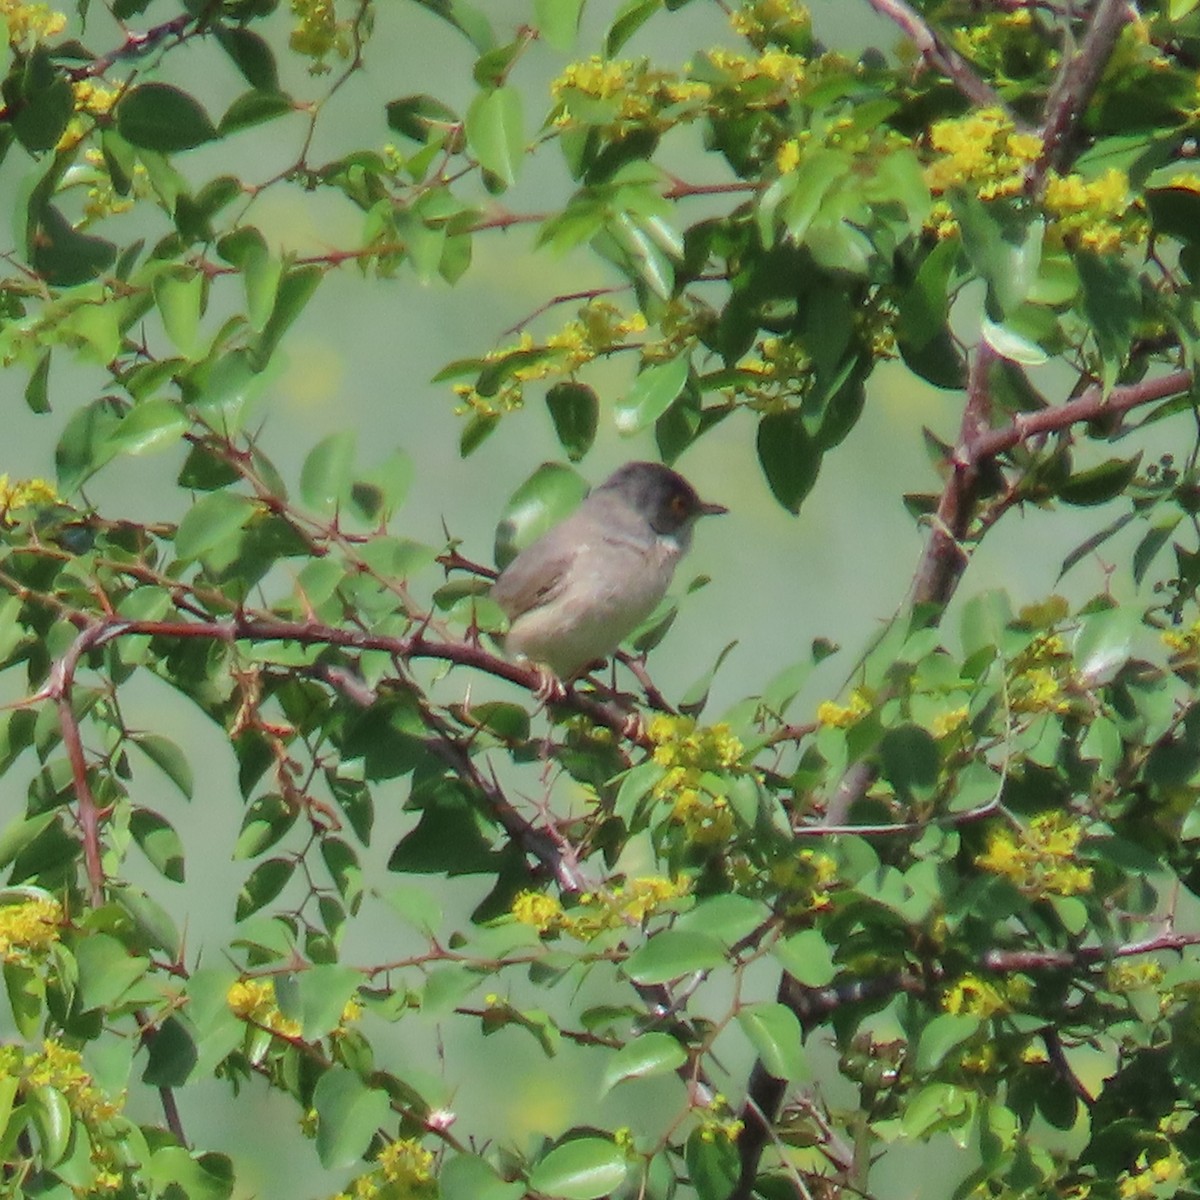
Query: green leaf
(649,1054)
(585,1168)
(348,1115)
(211,522)
(251,54)
(712,1165)
(45,107)
(265,882)
(416,117)
(157,116)
(470,1177)
(267,819)
(62,255)
(172,1055)
(179,295)
(155,424)
(325,991)
(789,456)
(653,392)
(728,918)
(774,1032)
(910,757)
(496,132)
(37,390)
(26,998)
(631,17)
(558,21)
(549,494)
(295,290)
(159,842)
(106,970)
(575,411)
(946,1032)
(672,954)
(325,476)
(175,1171)
(1101,483)
(162,751)
(254,108)
(806,957)
(52,1119)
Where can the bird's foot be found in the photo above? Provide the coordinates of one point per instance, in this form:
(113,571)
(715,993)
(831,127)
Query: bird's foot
(550,689)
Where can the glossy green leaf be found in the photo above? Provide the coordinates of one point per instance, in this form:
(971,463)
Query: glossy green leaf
(52,1119)
(495,132)
(806,957)
(774,1032)
(584,1168)
(263,885)
(945,1033)
(210,522)
(295,290)
(652,393)
(348,1115)
(159,842)
(1100,483)
(160,117)
(712,1164)
(671,955)
(325,476)
(64,256)
(549,494)
(419,117)
(324,992)
(648,1054)
(153,425)
(470,1177)
(254,108)
(171,1055)
(106,970)
(26,993)
(575,411)
(632,15)
(162,751)
(179,295)
(268,818)
(37,390)
(558,21)
(789,456)
(251,54)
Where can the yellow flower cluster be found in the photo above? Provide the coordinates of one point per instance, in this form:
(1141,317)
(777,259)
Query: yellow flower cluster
(1161,1177)
(1097,214)
(842,716)
(982,152)
(805,881)
(403,1169)
(29,928)
(29,23)
(599,329)
(980,998)
(1038,858)
(1126,976)
(1040,676)
(61,1068)
(763,21)
(91,100)
(630,903)
(717,1122)
(692,756)
(781,67)
(254,1000)
(25,493)
(946,723)
(1183,643)
(1006,46)
(318,33)
(618,94)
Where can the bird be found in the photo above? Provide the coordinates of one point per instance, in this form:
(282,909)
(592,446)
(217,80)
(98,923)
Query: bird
(576,593)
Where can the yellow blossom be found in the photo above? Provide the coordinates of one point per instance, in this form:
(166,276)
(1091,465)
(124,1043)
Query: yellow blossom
(541,911)
(787,157)
(841,716)
(1038,858)
(945,723)
(31,926)
(26,493)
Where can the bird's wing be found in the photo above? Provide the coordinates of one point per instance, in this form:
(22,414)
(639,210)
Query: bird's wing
(534,577)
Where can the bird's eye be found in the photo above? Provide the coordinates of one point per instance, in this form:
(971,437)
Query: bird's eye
(679,505)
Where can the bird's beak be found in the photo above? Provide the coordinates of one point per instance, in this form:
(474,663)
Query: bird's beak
(711,510)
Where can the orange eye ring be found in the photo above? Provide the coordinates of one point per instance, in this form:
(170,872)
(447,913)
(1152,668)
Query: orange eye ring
(679,505)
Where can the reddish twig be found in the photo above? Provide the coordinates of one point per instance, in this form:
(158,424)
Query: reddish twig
(938,53)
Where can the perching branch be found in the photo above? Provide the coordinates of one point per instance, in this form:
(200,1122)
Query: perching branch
(938,53)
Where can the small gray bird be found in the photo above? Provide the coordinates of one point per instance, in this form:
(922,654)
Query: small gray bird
(575,593)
